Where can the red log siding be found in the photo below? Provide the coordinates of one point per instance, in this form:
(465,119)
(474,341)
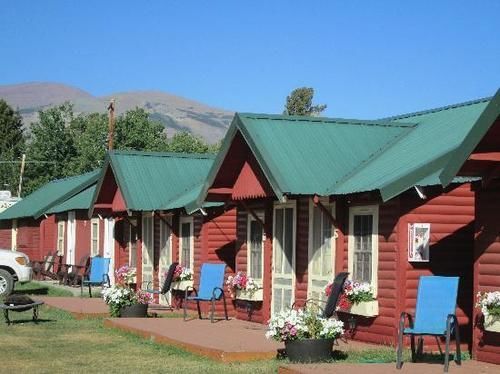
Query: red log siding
(260,311)
(381,329)
(82,242)
(5,234)
(487,269)
(28,237)
(451,215)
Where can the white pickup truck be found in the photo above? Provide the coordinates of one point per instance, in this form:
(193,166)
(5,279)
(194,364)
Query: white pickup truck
(13,268)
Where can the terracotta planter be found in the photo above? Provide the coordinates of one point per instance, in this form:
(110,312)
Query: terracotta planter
(309,350)
(492,323)
(365,308)
(182,285)
(257,295)
(134,311)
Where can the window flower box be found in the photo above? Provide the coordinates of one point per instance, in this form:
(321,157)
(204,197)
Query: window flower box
(492,323)
(365,308)
(257,295)
(182,285)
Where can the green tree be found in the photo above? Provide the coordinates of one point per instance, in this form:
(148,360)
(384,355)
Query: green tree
(51,147)
(89,133)
(188,143)
(12,144)
(136,131)
(299,103)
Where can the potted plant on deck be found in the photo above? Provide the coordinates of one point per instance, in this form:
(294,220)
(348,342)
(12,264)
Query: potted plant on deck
(489,302)
(308,337)
(123,300)
(242,287)
(356,298)
(183,278)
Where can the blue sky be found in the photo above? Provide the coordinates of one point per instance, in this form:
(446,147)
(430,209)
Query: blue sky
(365,59)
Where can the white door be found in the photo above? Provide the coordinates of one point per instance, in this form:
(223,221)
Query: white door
(71,238)
(109,246)
(283,273)
(147,250)
(321,251)
(165,252)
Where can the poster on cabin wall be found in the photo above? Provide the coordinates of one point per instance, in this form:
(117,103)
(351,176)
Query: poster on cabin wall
(419,236)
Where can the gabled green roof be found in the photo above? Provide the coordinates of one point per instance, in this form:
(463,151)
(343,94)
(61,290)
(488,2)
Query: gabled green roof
(49,196)
(418,157)
(472,139)
(308,155)
(152,181)
(81,201)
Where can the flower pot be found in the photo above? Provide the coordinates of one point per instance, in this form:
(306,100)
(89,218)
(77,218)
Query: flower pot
(365,308)
(182,285)
(134,311)
(492,323)
(257,295)
(309,350)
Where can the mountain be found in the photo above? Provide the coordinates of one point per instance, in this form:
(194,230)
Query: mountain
(176,113)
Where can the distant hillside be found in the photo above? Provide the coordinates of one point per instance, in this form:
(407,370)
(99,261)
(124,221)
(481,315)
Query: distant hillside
(175,112)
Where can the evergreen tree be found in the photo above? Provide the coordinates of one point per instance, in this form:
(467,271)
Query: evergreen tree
(299,103)
(12,145)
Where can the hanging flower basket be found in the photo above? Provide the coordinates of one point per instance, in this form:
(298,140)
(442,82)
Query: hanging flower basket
(365,308)
(492,323)
(182,285)
(257,295)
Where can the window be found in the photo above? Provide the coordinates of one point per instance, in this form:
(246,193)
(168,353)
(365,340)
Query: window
(60,238)
(363,244)
(186,244)
(255,247)
(94,236)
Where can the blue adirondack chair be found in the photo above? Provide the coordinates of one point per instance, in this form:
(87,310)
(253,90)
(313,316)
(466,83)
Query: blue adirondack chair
(434,315)
(211,289)
(98,276)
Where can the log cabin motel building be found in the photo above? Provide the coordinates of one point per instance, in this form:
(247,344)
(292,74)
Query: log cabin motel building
(292,201)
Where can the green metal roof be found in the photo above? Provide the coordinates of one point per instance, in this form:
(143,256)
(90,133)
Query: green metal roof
(49,196)
(152,181)
(81,200)
(418,157)
(472,139)
(308,155)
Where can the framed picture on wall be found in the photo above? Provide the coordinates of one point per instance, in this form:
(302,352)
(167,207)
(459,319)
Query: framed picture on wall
(419,235)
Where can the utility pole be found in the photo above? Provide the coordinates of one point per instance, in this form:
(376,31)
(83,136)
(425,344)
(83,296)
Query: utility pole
(23,162)
(111,126)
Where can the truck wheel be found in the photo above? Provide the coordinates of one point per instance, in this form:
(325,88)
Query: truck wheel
(6,283)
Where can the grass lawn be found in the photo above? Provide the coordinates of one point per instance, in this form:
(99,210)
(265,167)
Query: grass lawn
(36,288)
(60,343)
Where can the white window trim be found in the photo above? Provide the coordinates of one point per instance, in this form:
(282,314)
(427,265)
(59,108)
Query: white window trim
(250,219)
(374,211)
(331,208)
(60,223)
(13,238)
(187,219)
(278,205)
(92,222)
(129,242)
(144,216)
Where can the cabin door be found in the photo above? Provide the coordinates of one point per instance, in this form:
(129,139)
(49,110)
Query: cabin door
(321,251)
(165,252)
(109,246)
(71,238)
(147,250)
(283,273)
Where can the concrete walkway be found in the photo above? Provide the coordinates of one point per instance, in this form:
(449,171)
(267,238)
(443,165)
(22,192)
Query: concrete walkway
(79,307)
(225,341)
(467,367)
